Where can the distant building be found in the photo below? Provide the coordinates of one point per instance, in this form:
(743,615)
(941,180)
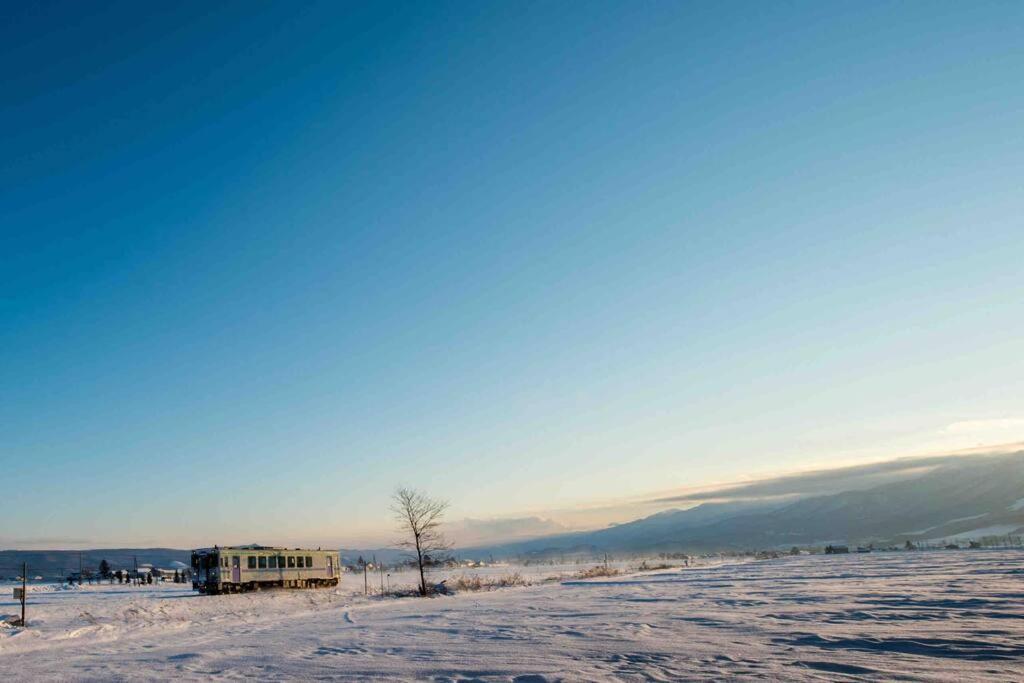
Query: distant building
(163,574)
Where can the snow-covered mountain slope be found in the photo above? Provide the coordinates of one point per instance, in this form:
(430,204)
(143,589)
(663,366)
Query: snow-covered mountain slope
(952,499)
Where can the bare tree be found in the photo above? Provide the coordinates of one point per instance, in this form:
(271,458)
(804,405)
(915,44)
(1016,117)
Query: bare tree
(419,520)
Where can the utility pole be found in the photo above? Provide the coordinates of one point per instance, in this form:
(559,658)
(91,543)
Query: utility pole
(366,581)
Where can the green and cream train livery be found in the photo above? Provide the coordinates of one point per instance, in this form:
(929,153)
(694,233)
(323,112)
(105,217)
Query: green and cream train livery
(235,569)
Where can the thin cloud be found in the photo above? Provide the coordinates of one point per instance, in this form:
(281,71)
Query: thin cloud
(820,482)
(985,425)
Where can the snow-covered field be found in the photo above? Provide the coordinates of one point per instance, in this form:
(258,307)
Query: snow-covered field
(947,615)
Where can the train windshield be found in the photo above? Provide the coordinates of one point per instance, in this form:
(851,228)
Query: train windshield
(204,560)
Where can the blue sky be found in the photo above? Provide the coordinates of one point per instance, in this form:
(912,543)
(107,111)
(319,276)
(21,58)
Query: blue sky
(261,264)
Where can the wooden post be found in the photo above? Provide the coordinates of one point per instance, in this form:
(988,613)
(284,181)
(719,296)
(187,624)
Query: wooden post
(24,591)
(366,581)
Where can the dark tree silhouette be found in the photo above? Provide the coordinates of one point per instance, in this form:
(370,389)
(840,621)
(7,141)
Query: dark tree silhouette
(419,520)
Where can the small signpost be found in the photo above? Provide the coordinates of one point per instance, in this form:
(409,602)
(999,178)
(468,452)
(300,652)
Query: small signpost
(20,592)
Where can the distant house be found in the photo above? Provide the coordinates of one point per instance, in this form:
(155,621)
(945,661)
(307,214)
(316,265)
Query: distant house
(163,574)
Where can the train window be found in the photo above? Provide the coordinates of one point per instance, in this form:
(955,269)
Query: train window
(263,562)
(252,562)
(309,561)
(300,561)
(224,561)
(291,562)
(273,561)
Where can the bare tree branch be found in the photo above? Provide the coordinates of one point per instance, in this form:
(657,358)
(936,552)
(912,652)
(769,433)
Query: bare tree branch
(419,520)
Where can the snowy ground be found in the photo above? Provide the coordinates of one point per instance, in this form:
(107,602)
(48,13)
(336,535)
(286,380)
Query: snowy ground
(946,615)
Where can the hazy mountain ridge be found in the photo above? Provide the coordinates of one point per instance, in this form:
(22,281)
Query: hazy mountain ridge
(957,497)
(976,495)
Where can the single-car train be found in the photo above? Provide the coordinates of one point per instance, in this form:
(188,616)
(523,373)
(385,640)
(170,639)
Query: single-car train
(235,569)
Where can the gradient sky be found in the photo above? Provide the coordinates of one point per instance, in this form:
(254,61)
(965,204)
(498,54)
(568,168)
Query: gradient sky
(261,263)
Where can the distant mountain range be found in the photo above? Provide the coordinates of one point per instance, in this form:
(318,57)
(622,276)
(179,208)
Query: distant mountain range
(953,497)
(350,556)
(962,497)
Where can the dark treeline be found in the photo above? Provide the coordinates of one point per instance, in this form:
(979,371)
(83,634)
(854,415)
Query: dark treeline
(57,564)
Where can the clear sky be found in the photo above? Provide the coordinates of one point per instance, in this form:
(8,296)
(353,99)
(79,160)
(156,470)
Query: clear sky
(261,262)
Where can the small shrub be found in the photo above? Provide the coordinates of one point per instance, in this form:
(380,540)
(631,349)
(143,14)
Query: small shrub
(513,579)
(644,567)
(468,583)
(597,572)
(475,582)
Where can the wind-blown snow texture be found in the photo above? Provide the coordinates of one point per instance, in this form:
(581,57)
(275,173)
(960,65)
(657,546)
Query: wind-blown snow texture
(945,615)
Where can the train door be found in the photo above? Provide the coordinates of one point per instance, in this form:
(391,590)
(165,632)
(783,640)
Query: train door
(236,569)
(330,566)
